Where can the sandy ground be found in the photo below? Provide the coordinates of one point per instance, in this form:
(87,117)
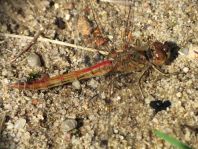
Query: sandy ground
(38,119)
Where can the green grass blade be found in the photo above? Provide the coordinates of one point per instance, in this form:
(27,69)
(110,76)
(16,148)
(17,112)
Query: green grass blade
(171,140)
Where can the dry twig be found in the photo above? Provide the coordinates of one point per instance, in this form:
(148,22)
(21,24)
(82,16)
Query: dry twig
(53,42)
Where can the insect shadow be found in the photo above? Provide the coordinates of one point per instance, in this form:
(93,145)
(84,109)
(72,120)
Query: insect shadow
(173,53)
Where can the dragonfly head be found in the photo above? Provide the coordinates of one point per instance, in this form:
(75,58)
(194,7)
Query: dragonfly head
(158,53)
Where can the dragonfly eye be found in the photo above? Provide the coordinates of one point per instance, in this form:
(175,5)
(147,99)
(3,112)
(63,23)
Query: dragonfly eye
(159,54)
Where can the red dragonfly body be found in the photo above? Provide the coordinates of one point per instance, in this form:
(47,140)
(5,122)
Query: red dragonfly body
(45,83)
(127,61)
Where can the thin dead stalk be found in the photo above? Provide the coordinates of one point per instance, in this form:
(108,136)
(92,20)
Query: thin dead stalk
(41,39)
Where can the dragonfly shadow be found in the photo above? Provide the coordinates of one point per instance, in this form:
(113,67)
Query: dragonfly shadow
(173,49)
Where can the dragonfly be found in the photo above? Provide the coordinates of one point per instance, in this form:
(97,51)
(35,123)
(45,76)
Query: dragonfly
(132,59)
(128,59)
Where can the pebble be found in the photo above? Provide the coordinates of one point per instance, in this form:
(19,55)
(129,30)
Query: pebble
(67,17)
(20,123)
(9,126)
(34,60)
(121,137)
(115,131)
(179,94)
(93,83)
(184,51)
(103,96)
(118,98)
(56,5)
(84,26)
(76,84)
(185,69)
(68,125)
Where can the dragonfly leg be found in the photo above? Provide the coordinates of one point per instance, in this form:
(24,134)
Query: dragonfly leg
(139,80)
(160,71)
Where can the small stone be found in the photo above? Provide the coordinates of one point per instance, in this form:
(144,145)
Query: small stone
(20,123)
(93,83)
(67,17)
(185,69)
(184,51)
(179,94)
(27,135)
(68,125)
(84,26)
(118,98)
(103,96)
(34,60)
(68,137)
(121,137)
(10,126)
(35,101)
(76,84)
(115,131)
(110,37)
(56,5)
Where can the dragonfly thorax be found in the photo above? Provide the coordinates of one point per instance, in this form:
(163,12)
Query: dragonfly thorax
(157,54)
